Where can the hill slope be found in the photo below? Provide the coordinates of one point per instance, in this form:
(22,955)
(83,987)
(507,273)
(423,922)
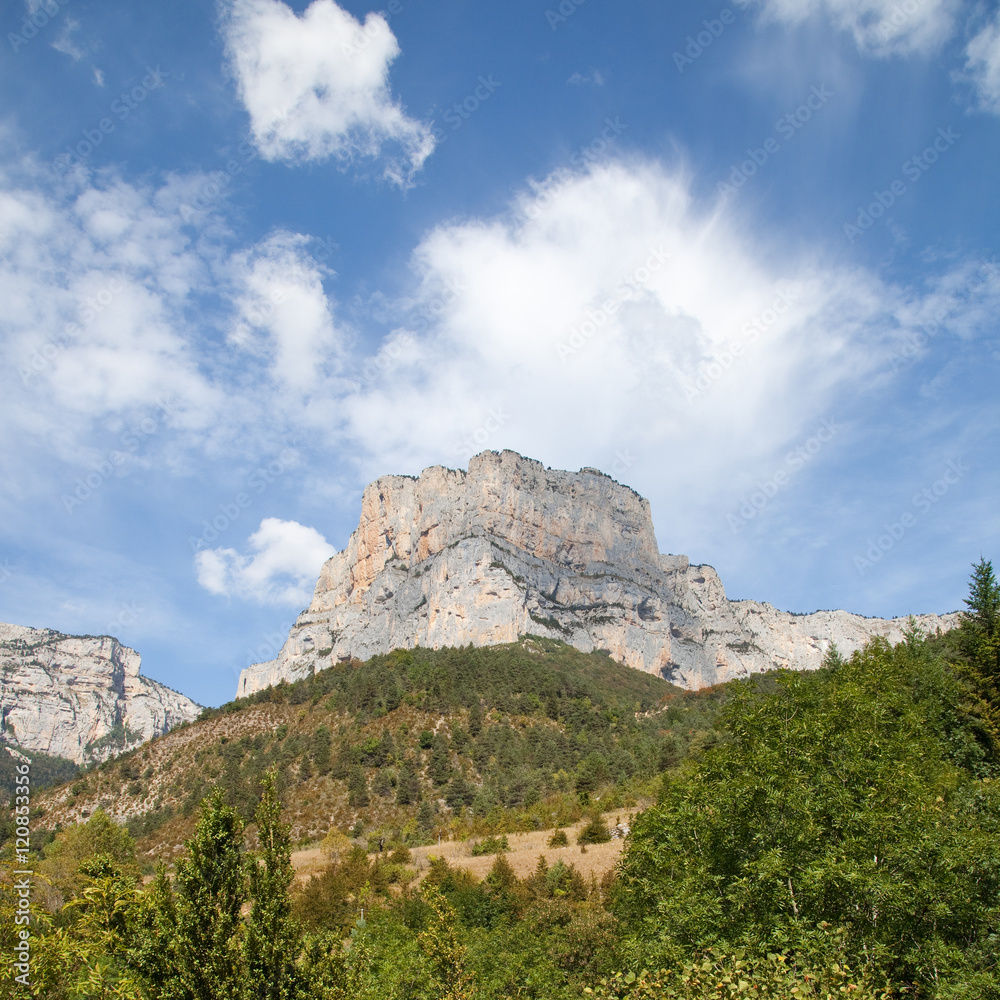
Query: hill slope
(415,744)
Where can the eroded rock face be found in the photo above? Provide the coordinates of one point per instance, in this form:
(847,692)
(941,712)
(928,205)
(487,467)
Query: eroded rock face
(80,697)
(510,548)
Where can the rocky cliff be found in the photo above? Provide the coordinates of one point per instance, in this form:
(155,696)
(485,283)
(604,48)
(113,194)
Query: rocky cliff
(511,547)
(80,697)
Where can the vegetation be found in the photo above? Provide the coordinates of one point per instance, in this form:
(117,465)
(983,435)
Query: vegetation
(837,833)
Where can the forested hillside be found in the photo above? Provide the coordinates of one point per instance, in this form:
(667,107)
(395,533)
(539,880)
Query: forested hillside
(834,833)
(409,747)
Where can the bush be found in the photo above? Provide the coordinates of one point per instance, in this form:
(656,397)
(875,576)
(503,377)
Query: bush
(595,832)
(490,845)
(559,839)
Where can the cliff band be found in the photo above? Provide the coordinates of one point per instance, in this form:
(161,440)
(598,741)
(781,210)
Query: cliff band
(511,547)
(80,697)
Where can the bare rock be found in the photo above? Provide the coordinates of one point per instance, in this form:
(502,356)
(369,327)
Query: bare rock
(80,697)
(511,548)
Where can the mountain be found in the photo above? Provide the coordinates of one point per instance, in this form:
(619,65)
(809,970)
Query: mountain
(511,548)
(414,744)
(80,697)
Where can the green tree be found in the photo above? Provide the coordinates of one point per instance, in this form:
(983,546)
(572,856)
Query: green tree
(271,934)
(980,629)
(439,942)
(835,799)
(210,892)
(321,750)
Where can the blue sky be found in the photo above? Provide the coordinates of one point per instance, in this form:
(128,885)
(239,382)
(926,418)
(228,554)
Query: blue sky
(745,258)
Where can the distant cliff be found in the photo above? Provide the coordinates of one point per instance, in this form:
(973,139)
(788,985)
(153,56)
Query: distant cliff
(511,547)
(80,697)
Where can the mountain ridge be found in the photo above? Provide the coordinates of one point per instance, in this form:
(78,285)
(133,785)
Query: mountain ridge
(80,697)
(510,547)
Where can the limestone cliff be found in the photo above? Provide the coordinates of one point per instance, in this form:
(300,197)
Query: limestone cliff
(511,547)
(80,697)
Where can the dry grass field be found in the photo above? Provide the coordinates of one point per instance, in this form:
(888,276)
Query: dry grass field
(523,854)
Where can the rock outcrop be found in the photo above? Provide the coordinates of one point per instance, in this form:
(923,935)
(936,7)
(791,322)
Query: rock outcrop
(80,697)
(511,547)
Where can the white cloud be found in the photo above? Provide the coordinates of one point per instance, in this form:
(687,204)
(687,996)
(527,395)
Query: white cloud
(879,27)
(610,314)
(983,65)
(316,86)
(596,77)
(284,313)
(283,568)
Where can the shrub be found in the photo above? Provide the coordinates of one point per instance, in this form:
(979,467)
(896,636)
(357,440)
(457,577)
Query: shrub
(490,845)
(559,839)
(595,832)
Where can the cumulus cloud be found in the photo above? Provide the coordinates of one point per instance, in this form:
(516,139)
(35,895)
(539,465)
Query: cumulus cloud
(283,312)
(982,65)
(609,320)
(316,86)
(282,569)
(879,27)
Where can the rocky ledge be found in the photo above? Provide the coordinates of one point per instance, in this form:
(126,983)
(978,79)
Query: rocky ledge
(80,697)
(511,547)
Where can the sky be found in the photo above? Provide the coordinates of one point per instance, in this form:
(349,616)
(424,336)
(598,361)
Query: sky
(743,257)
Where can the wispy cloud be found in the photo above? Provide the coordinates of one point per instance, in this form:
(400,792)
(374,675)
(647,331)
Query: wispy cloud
(879,27)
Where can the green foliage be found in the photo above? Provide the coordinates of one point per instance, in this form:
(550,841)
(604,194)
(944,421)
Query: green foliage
(271,935)
(845,798)
(45,771)
(559,839)
(490,845)
(718,975)
(595,832)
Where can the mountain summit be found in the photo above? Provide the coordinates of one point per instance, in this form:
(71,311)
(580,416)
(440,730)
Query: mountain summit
(510,548)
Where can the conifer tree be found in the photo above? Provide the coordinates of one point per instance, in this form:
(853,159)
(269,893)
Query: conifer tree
(210,891)
(981,623)
(271,935)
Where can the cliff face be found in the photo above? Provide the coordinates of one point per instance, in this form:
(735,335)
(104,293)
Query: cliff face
(511,547)
(80,697)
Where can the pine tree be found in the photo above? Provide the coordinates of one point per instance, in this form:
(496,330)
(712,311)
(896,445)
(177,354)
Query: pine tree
(321,750)
(271,935)
(210,891)
(980,636)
